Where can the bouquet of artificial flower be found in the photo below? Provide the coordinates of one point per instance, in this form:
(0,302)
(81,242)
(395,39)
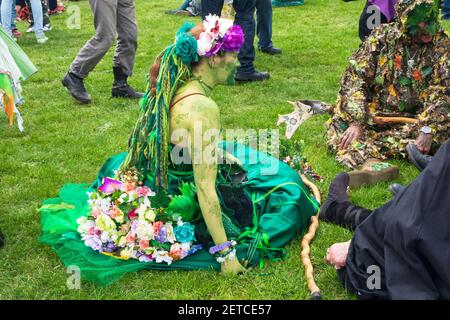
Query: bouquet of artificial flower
(123,223)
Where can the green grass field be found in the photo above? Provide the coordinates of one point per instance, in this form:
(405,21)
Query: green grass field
(64,142)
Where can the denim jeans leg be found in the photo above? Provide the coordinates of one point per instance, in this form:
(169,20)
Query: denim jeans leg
(245,10)
(446,9)
(264,23)
(5,12)
(38,17)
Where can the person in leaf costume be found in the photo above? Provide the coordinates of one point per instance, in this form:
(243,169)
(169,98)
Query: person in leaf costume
(395,89)
(142,209)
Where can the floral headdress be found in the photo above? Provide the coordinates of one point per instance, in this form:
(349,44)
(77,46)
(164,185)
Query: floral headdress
(148,149)
(215,36)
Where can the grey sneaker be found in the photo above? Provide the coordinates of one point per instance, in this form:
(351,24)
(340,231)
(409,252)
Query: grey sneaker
(41,39)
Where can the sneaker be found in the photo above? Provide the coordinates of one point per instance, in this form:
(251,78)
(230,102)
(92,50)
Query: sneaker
(47,27)
(41,39)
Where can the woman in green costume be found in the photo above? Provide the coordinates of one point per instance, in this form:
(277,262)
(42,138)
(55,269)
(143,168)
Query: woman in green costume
(244,209)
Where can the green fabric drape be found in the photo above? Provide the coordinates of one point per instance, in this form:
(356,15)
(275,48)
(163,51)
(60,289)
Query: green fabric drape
(282,208)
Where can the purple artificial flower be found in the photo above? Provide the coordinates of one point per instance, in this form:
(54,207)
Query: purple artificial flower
(233,39)
(161,237)
(195,248)
(215,49)
(110,186)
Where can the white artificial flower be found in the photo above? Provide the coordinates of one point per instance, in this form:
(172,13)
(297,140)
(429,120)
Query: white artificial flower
(122,242)
(210,25)
(204,43)
(170,234)
(105,223)
(150,215)
(105,237)
(84,225)
(122,198)
(132,195)
(126,253)
(162,256)
(144,230)
(224,25)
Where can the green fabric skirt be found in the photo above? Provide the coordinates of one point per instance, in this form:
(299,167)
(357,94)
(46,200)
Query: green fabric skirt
(24,63)
(279,211)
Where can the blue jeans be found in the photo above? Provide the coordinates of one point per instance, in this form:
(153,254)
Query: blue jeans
(245,10)
(7,17)
(184,5)
(13,14)
(264,23)
(446,9)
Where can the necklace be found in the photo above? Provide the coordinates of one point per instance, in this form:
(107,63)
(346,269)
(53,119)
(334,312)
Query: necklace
(208,89)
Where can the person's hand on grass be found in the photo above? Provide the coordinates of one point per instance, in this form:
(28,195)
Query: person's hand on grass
(337,254)
(354,132)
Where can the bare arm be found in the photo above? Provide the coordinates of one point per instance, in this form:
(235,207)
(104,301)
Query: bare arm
(204,115)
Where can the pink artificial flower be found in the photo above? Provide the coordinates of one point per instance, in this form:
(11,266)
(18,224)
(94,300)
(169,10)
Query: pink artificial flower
(156,227)
(110,186)
(114,212)
(144,191)
(91,231)
(175,251)
(128,187)
(144,244)
(95,213)
(130,238)
(132,214)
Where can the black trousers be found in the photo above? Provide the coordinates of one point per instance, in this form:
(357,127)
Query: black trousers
(245,10)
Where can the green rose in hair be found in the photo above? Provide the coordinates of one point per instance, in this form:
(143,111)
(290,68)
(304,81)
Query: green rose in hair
(186,48)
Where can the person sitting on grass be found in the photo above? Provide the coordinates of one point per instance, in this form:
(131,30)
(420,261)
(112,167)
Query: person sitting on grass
(401,249)
(188,8)
(241,209)
(395,90)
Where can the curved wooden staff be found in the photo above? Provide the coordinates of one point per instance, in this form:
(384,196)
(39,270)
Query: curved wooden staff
(393,120)
(305,255)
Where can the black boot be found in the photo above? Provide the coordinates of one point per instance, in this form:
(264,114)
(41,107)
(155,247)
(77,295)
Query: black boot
(2,239)
(120,88)
(338,209)
(76,88)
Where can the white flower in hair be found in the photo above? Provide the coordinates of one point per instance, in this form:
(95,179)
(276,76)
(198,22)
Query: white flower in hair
(211,25)
(204,43)
(224,25)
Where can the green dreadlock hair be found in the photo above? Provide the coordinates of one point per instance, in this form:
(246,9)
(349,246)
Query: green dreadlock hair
(148,149)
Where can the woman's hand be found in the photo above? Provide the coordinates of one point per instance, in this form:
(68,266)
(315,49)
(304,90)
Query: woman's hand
(337,254)
(423,142)
(232,266)
(354,132)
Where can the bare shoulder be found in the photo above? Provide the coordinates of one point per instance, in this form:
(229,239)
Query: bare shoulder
(197,104)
